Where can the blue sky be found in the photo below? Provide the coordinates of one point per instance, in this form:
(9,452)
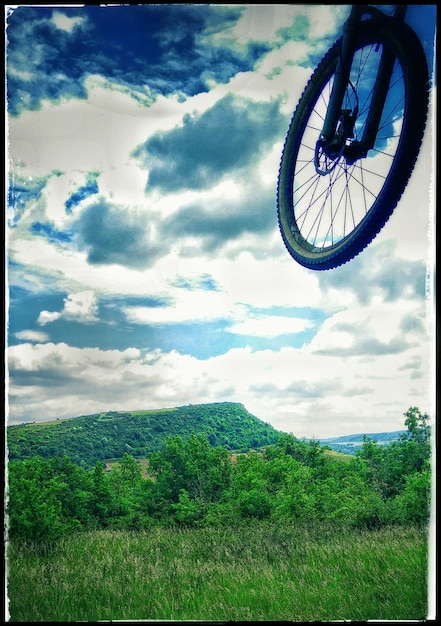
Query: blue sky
(145,265)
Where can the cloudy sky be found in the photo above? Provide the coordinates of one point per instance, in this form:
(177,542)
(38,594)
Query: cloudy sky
(145,265)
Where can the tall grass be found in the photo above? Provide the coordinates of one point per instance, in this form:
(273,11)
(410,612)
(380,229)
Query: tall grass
(256,572)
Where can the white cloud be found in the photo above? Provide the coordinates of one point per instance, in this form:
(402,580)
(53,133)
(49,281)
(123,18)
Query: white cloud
(63,22)
(270,326)
(46,317)
(268,282)
(372,327)
(81,136)
(186,306)
(32,335)
(81,307)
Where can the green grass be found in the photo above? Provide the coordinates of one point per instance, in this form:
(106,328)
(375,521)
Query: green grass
(338,456)
(256,572)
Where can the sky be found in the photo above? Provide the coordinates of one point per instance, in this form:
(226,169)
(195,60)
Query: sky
(145,267)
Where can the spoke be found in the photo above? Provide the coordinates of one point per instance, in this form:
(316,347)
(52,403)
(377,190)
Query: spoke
(314,181)
(327,208)
(344,195)
(319,216)
(361,183)
(315,199)
(348,200)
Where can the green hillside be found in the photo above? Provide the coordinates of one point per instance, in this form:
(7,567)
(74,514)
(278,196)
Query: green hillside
(90,438)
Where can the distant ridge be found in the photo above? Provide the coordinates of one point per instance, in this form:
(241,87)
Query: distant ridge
(108,435)
(349,444)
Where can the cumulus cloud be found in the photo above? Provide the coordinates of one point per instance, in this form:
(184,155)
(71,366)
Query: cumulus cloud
(111,234)
(208,228)
(65,22)
(378,273)
(81,307)
(207,146)
(46,317)
(369,331)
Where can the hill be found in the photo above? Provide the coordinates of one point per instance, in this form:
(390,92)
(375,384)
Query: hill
(90,438)
(349,444)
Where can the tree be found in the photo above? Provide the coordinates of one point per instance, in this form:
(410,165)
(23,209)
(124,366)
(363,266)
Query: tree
(297,498)
(132,494)
(189,475)
(37,507)
(307,452)
(126,476)
(412,506)
(417,425)
(418,437)
(169,468)
(103,500)
(386,467)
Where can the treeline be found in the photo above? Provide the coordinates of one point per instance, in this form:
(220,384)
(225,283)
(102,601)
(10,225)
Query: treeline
(90,438)
(192,483)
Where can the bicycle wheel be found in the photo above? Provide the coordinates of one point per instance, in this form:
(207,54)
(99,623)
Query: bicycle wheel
(328,214)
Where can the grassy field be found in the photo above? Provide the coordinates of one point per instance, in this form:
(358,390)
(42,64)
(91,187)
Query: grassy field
(257,572)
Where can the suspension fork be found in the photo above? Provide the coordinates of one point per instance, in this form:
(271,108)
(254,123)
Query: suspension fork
(341,77)
(341,80)
(381,87)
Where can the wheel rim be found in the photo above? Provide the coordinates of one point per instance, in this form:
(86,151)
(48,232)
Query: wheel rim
(328,209)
